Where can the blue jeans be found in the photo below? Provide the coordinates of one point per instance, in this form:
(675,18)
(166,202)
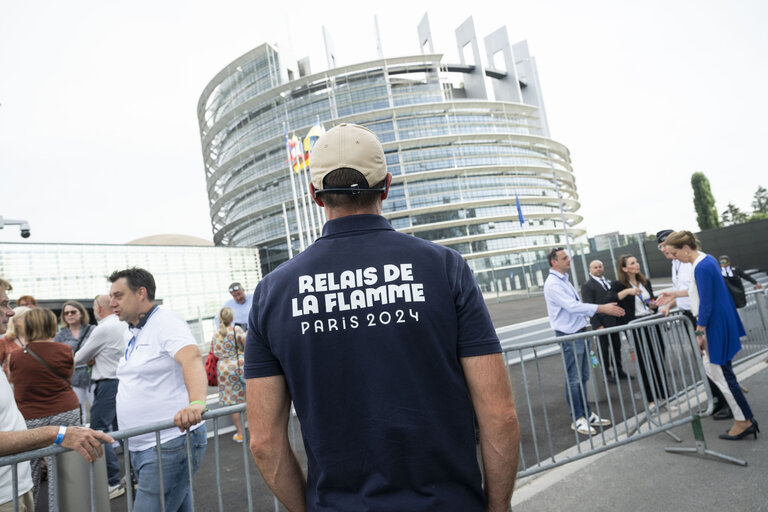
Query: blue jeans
(175,474)
(104,418)
(577,366)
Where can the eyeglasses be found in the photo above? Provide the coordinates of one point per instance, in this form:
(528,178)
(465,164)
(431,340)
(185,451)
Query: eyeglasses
(71,312)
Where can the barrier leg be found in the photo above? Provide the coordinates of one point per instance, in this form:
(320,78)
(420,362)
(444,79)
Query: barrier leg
(701,446)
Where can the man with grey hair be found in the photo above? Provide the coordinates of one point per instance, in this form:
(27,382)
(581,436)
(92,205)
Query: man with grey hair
(15,438)
(104,347)
(384,344)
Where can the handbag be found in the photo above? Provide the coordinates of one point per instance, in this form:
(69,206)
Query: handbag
(81,378)
(736,287)
(211,367)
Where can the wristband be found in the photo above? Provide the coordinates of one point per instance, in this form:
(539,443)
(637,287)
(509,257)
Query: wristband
(201,402)
(62,433)
(701,333)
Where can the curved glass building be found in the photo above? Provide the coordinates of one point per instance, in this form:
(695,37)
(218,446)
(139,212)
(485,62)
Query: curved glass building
(463,141)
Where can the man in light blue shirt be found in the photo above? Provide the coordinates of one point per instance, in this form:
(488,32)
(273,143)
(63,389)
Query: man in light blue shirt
(568,315)
(240,303)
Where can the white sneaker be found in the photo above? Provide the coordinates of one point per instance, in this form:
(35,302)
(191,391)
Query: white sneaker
(116,490)
(597,421)
(582,427)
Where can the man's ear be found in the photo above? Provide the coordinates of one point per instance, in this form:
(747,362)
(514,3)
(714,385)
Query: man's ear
(386,186)
(318,201)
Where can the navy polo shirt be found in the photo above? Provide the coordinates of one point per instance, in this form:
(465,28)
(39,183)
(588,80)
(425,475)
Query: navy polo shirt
(368,326)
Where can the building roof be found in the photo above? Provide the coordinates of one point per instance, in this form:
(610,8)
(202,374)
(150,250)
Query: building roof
(172,239)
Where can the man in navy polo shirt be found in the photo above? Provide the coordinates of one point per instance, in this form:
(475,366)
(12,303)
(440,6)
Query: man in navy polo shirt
(384,344)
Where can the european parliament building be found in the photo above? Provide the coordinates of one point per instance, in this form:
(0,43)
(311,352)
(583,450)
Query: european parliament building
(464,141)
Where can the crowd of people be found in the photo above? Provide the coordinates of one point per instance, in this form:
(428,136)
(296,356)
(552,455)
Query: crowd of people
(699,291)
(366,319)
(67,372)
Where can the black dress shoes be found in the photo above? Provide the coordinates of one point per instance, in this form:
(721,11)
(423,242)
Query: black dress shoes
(753,429)
(624,376)
(723,414)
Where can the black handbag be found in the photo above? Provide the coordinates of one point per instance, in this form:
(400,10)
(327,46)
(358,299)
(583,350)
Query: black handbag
(736,287)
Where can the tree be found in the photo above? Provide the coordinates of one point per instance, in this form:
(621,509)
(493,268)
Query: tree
(733,215)
(760,200)
(704,202)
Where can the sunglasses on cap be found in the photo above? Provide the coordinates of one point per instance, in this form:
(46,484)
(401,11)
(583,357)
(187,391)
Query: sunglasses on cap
(234,288)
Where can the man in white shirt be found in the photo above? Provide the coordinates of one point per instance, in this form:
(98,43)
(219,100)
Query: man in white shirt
(161,371)
(105,346)
(15,438)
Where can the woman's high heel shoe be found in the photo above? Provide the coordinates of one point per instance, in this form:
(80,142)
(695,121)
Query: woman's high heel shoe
(752,429)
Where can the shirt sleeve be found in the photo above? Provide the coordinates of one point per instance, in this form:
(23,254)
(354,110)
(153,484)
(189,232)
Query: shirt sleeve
(705,286)
(176,334)
(476,334)
(91,346)
(260,361)
(562,297)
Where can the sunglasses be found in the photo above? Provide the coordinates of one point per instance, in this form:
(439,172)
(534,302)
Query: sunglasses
(71,312)
(234,289)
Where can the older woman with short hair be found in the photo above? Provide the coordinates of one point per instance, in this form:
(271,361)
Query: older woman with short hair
(75,329)
(718,328)
(41,376)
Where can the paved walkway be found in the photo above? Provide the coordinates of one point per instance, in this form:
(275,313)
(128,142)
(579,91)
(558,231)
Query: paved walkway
(641,476)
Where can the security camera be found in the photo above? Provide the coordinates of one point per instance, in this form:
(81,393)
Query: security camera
(23,225)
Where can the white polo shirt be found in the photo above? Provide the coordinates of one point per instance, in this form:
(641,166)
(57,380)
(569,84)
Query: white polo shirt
(11,420)
(152,385)
(682,274)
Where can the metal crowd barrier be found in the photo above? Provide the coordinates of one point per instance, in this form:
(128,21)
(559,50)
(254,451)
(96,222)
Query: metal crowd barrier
(679,394)
(754,316)
(211,417)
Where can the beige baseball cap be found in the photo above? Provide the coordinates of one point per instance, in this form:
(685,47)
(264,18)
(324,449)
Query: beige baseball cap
(352,146)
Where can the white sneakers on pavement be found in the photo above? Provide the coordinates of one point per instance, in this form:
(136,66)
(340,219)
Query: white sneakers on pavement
(597,421)
(582,426)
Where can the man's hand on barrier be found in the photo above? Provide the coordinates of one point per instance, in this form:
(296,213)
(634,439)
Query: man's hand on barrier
(664,311)
(190,415)
(86,442)
(610,309)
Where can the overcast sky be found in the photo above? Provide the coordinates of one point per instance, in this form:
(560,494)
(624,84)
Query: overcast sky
(99,140)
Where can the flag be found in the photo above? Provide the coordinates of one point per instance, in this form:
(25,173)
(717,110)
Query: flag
(294,153)
(313,134)
(519,211)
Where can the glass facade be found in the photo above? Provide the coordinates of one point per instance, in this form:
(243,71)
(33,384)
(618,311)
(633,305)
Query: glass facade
(190,280)
(459,162)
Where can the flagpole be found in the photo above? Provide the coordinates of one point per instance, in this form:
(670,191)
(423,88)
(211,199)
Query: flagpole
(310,200)
(287,233)
(308,228)
(521,219)
(527,284)
(295,198)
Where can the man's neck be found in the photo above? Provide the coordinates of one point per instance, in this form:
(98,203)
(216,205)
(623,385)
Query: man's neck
(143,314)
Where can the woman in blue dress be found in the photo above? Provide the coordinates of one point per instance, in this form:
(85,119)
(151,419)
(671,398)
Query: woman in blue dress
(718,328)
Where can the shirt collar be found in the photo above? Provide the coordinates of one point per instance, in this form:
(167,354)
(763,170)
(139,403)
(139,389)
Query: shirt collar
(560,275)
(350,223)
(599,279)
(143,319)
